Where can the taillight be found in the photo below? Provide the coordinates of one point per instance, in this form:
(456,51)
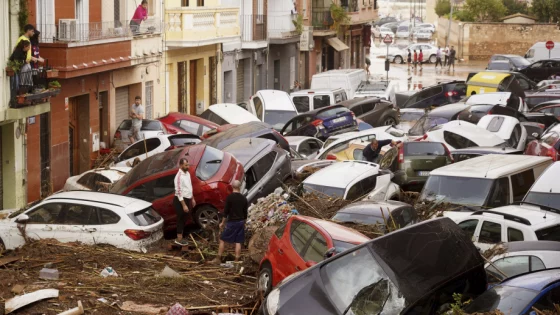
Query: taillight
(452,93)
(317,122)
(118,135)
(422,138)
(489,112)
(448,153)
(331,157)
(137,235)
(542,126)
(401,153)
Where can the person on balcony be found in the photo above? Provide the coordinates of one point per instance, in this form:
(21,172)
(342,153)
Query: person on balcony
(141,14)
(23,78)
(28,31)
(35,54)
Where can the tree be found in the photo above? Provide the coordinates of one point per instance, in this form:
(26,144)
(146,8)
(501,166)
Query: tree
(442,7)
(515,6)
(485,10)
(546,10)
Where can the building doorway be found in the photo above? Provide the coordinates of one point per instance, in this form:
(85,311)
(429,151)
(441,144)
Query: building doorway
(45,151)
(104,117)
(79,134)
(192,87)
(182,90)
(277,74)
(213,80)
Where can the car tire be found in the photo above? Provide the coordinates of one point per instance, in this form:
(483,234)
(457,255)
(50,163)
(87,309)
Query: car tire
(2,247)
(388,121)
(433,59)
(398,59)
(264,282)
(207,217)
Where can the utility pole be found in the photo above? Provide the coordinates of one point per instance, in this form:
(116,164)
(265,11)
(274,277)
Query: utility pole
(449,25)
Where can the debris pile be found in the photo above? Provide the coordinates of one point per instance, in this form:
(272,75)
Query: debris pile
(493,251)
(318,205)
(272,210)
(105,158)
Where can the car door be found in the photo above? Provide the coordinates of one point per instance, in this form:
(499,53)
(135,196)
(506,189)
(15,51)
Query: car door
(369,115)
(301,103)
(292,248)
(108,230)
(534,71)
(546,300)
(265,177)
(43,220)
(491,233)
(471,228)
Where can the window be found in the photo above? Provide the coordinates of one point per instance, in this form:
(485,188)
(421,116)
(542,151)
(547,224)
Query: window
(513,141)
(280,230)
(264,165)
(551,138)
(145,217)
(457,141)
(151,10)
(154,189)
(358,154)
(199,3)
(258,107)
(549,234)
(320,101)
(495,124)
(361,188)
(189,126)
(91,180)
(260,11)
(514,235)
(45,214)
(521,183)
(304,148)
(210,163)
(108,216)
(490,233)
(300,234)
(510,266)
(301,103)
(500,195)
(547,301)
(525,85)
(139,148)
(317,249)
(469,227)
(340,97)
(215,118)
(368,107)
(149,99)
(80,215)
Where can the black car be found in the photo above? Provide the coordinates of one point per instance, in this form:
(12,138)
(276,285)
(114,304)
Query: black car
(254,129)
(542,69)
(322,123)
(373,110)
(437,95)
(516,62)
(413,270)
(502,65)
(394,213)
(473,113)
(436,117)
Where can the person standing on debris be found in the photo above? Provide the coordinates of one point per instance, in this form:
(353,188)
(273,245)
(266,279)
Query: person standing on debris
(141,14)
(371,152)
(235,215)
(409,59)
(137,114)
(438,57)
(452,54)
(184,199)
(420,58)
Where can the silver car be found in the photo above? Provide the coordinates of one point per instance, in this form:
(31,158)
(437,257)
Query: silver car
(149,129)
(424,34)
(429,52)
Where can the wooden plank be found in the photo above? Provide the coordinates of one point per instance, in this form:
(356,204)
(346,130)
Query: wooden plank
(8,260)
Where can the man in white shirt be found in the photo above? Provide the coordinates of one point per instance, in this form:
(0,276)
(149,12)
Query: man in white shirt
(446,52)
(184,199)
(137,114)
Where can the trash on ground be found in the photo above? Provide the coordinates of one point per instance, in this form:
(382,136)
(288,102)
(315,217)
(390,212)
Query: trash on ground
(75,311)
(169,273)
(108,272)
(144,309)
(29,298)
(48,274)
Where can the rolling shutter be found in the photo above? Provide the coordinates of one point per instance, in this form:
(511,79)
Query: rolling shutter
(121,104)
(240,80)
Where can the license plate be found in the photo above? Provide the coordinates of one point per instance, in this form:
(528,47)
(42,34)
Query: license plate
(337,120)
(424,173)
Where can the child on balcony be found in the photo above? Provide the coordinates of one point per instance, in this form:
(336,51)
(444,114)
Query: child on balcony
(141,14)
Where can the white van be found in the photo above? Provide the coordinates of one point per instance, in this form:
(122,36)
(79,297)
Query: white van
(488,181)
(348,79)
(383,89)
(306,100)
(539,52)
(274,107)
(223,114)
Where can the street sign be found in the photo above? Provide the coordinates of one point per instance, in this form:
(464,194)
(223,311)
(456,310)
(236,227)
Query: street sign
(388,39)
(549,45)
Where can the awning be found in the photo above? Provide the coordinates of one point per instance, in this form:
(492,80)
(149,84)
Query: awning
(337,44)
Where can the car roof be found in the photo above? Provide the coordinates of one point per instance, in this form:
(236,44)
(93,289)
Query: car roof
(477,134)
(537,280)
(447,111)
(525,246)
(533,214)
(276,100)
(246,130)
(336,231)
(246,149)
(295,140)
(548,181)
(196,119)
(350,169)
(233,112)
(360,101)
(500,61)
(373,208)
(316,91)
(128,204)
(338,72)
(113,173)
(486,150)
(490,166)
(507,55)
(489,77)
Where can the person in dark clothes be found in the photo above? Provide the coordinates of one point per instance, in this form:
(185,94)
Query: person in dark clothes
(371,152)
(409,59)
(184,199)
(235,215)
(23,79)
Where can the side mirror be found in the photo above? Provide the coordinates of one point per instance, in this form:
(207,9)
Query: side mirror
(23,218)
(329,253)
(310,263)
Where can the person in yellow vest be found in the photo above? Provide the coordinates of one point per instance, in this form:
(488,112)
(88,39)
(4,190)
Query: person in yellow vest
(28,31)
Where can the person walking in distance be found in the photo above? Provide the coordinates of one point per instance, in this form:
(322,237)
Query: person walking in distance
(137,114)
(141,14)
(420,59)
(438,57)
(184,199)
(415,59)
(235,215)
(446,60)
(452,54)
(409,59)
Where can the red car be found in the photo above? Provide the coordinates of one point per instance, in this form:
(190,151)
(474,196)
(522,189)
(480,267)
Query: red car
(301,243)
(551,109)
(212,172)
(547,145)
(181,123)
(217,130)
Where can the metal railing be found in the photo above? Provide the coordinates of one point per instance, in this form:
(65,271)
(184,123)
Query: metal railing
(281,25)
(30,86)
(321,19)
(253,27)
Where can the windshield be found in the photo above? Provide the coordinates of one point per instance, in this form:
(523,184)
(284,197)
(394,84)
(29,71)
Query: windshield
(210,163)
(346,144)
(278,118)
(369,291)
(426,123)
(324,190)
(520,62)
(358,218)
(457,190)
(424,148)
(509,300)
(341,246)
(145,217)
(546,199)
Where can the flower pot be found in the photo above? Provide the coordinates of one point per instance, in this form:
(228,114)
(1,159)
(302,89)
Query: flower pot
(53,73)
(21,99)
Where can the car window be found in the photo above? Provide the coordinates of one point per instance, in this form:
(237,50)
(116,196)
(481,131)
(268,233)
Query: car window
(469,227)
(180,141)
(340,97)
(209,163)
(358,154)
(305,148)
(280,230)
(551,138)
(154,189)
(213,117)
(317,248)
(314,145)
(510,266)
(525,85)
(495,124)
(490,233)
(521,183)
(301,103)
(361,188)
(258,107)
(549,234)
(499,195)
(75,214)
(133,151)
(145,217)
(320,101)
(513,140)
(87,180)
(368,107)
(108,216)
(548,300)
(189,126)
(264,165)
(358,110)
(45,214)
(300,235)
(152,143)
(537,264)
(151,125)
(457,141)
(514,235)
(537,64)
(325,114)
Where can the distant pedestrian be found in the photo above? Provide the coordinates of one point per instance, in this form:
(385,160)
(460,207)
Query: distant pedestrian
(420,59)
(371,152)
(446,60)
(409,59)
(438,57)
(235,215)
(136,114)
(297,86)
(368,63)
(183,202)
(415,59)
(452,54)
(140,15)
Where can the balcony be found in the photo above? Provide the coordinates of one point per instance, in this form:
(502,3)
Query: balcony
(192,27)
(281,27)
(30,92)
(321,19)
(360,11)
(254,31)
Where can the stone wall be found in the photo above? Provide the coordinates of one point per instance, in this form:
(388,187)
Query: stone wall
(479,41)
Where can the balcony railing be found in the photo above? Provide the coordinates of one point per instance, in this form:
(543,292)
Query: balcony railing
(201,24)
(31,86)
(321,19)
(253,27)
(281,25)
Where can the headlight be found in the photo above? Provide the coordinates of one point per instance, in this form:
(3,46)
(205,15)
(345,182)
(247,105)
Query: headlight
(272,301)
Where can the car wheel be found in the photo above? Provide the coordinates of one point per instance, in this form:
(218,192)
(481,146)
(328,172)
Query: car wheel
(389,121)
(398,59)
(264,283)
(2,247)
(433,59)
(207,217)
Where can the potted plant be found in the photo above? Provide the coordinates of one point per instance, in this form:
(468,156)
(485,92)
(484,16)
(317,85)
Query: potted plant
(54,85)
(339,16)
(52,73)
(12,67)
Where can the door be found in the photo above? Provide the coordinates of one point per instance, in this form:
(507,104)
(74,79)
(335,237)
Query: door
(264,176)
(149,100)
(213,83)
(490,235)
(121,104)
(192,87)
(277,74)
(82,15)
(240,79)
(74,137)
(182,90)
(291,251)
(45,152)
(45,18)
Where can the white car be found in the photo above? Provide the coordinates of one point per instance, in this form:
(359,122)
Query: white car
(508,224)
(353,180)
(95,179)
(273,107)
(428,51)
(145,148)
(382,31)
(546,190)
(459,134)
(507,128)
(498,98)
(150,128)
(381,88)
(403,31)
(422,33)
(426,26)
(308,147)
(548,85)
(380,133)
(87,217)
(223,114)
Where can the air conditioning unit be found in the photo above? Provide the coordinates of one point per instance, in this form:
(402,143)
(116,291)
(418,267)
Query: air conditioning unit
(68,29)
